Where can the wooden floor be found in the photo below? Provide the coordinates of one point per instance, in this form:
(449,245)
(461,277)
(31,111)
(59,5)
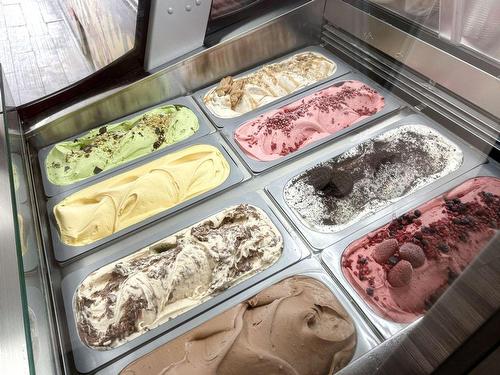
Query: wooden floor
(38,52)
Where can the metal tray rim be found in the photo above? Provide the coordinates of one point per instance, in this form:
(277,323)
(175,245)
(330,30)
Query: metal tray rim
(320,240)
(392,104)
(205,128)
(219,122)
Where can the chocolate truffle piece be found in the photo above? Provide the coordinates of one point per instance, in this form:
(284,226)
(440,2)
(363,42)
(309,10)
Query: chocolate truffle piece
(384,251)
(412,253)
(319,177)
(400,275)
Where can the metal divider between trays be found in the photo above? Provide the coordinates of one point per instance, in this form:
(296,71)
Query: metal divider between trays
(205,128)
(64,252)
(342,68)
(392,104)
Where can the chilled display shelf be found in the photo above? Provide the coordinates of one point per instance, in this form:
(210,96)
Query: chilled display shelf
(320,238)
(308,268)
(88,359)
(245,189)
(96,243)
(262,94)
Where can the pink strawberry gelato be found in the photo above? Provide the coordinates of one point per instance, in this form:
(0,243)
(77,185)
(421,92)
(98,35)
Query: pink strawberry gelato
(402,268)
(292,127)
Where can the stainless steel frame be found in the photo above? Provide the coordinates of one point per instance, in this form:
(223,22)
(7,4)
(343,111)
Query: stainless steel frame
(348,35)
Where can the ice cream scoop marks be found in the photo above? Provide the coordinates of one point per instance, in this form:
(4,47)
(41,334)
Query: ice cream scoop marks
(119,202)
(112,145)
(126,298)
(296,326)
(317,116)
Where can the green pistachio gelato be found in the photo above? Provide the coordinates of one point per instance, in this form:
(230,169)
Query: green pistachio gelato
(112,145)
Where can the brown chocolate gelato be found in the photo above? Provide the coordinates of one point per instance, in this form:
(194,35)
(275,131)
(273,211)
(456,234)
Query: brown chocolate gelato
(296,326)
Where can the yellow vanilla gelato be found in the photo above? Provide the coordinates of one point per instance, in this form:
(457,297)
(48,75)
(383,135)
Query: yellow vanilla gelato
(130,197)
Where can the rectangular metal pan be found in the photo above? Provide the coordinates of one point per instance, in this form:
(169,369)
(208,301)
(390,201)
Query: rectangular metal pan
(204,129)
(367,338)
(342,68)
(63,252)
(87,359)
(392,104)
(320,241)
(332,256)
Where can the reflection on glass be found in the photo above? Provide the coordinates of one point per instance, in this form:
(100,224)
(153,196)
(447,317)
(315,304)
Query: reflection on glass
(37,326)
(105,29)
(474,24)
(424,12)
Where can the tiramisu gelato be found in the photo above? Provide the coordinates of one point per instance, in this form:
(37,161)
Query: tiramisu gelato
(235,96)
(368,177)
(401,269)
(292,127)
(131,296)
(112,145)
(296,326)
(133,196)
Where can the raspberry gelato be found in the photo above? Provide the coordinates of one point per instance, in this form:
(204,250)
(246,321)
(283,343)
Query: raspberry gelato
(292,127)
(402,268)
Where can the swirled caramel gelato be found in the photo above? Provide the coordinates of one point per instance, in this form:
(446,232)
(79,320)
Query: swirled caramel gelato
(131,296)
(296,326)
(236,96)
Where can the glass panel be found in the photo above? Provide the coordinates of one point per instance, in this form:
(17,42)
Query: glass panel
(46,46)
(37,323)
(222,8)
(471,24)
(105,30)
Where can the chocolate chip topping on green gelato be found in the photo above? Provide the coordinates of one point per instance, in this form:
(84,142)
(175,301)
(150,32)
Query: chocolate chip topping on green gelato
(112,145)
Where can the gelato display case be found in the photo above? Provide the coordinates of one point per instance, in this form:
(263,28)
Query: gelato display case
(309,187)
